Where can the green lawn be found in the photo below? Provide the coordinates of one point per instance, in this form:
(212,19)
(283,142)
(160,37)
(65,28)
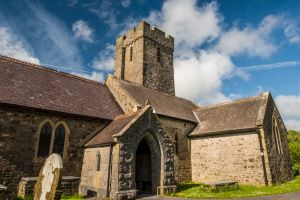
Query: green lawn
(194,190)
(71,197)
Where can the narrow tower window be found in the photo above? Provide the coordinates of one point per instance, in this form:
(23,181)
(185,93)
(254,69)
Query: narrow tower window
(131,51)
(158,54)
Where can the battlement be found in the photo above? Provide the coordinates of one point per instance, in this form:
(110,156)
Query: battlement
(144,29)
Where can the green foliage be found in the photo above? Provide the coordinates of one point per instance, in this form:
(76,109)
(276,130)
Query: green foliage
(194,190)
(294,145)
(71,197)
(27,197)
(62,198)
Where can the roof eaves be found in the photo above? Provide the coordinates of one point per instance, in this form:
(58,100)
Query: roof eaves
(99,145)
(53,111)
(222,132)
(177,117)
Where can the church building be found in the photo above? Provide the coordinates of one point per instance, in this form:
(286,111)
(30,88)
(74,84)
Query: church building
(132,135)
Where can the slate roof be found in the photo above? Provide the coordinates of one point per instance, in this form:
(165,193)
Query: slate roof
(35,86)
(232,116)
(115,127)
(162,103)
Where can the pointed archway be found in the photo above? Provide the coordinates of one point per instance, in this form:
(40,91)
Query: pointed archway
(143,169)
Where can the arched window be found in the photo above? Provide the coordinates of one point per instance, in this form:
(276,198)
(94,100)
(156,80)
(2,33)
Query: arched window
(277,135)
(59,140)
(98,161)
(45,140)
(131,52)
(158,54)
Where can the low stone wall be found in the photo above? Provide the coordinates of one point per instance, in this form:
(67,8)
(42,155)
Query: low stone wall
(69,185)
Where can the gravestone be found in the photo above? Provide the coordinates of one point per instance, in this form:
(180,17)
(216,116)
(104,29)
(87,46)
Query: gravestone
(46,187)
(2,191)
(2,188)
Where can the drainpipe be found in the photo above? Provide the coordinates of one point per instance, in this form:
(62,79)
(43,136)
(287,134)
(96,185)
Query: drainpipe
(109,171)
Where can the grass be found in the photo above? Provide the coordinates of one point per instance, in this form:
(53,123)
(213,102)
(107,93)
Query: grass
(62,198)
(194,190)
(71,197)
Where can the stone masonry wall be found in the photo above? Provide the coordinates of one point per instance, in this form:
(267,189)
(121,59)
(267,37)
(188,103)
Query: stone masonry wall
(183,170)
(280,164)
(235,157)
(161,146)
(18,139)
(137,59)
(91,179)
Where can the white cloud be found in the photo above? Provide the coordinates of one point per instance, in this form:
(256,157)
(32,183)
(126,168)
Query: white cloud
(105,59)
(11,46)
(200,78)
(82,31)
(292,31)
(104,10)
(250,41)
(292,124)
(189,24)
(72,3)
(203,72)
(288,106)
(285,64)
(96,76)
(125,3)
(53,41)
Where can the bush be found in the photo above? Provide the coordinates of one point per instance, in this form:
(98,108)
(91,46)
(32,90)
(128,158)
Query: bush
(294,146)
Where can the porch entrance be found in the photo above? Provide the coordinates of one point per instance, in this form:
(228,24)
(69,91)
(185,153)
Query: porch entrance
(143,168)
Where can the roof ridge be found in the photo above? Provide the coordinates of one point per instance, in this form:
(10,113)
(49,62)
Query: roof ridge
(230,102)
(42,67)
(156,90)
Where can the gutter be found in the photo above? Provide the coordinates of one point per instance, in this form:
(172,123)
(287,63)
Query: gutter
(109,172)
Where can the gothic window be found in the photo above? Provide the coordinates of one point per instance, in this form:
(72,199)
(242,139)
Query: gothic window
(277,135)
(59,140)
(158,54)
(44,140)
(131,52)
(98,161)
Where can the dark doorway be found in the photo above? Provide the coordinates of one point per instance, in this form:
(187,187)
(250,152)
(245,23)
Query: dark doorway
(143,174)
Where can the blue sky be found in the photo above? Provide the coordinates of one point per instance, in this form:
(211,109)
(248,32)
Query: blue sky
(225,49)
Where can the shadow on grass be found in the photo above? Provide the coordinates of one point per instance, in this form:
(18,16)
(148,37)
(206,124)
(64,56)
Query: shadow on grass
(188,185)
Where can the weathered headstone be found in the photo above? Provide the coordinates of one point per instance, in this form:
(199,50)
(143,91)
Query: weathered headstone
(2,187)
(46,187)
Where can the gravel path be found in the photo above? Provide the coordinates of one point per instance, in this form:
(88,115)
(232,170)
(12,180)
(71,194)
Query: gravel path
(289,196)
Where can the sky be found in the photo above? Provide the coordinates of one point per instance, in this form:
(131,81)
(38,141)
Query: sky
(224,50)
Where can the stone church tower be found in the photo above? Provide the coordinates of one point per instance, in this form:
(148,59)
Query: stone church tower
(144,55)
